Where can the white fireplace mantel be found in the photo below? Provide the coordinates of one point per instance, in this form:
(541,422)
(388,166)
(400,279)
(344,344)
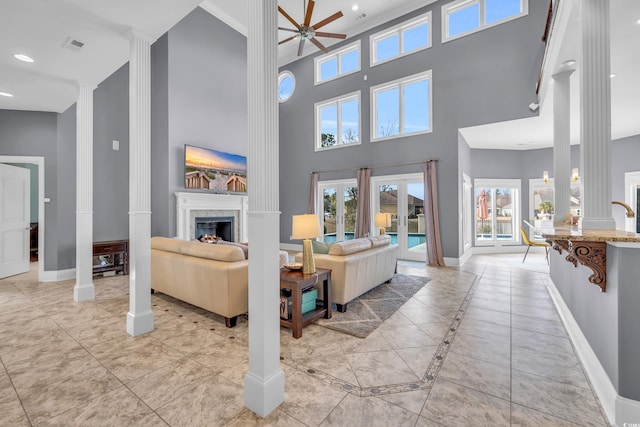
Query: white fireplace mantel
(186,203)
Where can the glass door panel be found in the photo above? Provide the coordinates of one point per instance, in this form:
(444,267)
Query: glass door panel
(415,242)
(504,214)
(329,218)
(484,220)
(350,211)
(402,197)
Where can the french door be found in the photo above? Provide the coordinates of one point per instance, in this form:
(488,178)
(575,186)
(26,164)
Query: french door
(338,204)
(402,196)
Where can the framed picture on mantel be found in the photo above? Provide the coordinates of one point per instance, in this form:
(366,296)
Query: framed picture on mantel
(213,170)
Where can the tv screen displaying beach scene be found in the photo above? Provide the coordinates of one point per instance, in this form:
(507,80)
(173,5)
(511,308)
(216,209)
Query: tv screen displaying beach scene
(214,170)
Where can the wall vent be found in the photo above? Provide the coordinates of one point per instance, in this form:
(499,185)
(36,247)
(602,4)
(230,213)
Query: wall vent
(73,44)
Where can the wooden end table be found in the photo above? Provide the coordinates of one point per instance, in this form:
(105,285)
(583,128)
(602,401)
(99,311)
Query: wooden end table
(296,281)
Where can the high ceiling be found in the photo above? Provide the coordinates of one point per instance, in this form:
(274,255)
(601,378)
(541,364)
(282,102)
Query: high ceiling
(40,29)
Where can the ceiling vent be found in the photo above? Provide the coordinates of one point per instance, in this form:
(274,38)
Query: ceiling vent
(73,44)
(361,16)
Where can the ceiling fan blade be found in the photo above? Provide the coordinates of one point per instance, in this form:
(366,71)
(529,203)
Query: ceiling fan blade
(288,39)
(307,16)
(327,20)
(290,19)
(301,46)
(332,35)
(288,29)
(319,45)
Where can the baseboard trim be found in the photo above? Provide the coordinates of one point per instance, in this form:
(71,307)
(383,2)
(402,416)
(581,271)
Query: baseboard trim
(619,410)
(57,275)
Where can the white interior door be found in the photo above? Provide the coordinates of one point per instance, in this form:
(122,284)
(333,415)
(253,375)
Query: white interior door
(14,220)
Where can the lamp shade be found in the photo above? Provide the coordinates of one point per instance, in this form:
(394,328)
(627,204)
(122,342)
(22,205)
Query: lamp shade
(305,227)
(382,220)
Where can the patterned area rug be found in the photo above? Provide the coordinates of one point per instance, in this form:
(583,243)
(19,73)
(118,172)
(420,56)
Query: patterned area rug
(365,313)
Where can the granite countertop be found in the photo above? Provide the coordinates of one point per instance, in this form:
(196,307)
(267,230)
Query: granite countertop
(562,231)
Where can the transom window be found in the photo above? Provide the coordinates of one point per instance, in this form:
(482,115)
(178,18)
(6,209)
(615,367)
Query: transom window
(401,107)
(403,39)
(338,122)
(338,63)
(462,17)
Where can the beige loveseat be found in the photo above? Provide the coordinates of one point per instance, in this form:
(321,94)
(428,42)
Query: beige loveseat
(357,266)
(213,277)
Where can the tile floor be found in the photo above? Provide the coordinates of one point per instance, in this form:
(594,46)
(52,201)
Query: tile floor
(481,345)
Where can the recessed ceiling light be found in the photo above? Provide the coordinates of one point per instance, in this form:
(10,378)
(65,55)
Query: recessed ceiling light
(612,75)
(354,7)
(8,95)
(638,22)
(23,58)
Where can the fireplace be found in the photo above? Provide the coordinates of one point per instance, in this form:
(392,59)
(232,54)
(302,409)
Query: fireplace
(212,207)
(220,226)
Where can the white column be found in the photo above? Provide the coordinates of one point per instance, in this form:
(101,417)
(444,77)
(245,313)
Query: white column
(264,383)
(561,144)
(140,316)
(84,289)
(595,117)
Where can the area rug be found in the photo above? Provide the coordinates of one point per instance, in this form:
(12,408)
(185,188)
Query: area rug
(365,313)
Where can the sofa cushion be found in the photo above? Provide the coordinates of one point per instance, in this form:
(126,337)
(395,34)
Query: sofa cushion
(245,248)
(350,246)
(225,253)
(377,241)
(166,244)
(320,247)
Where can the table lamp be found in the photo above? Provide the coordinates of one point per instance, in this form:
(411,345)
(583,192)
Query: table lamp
(382,220)
(306,227)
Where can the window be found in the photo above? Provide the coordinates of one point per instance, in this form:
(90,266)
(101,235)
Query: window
(400,40)
(463,17)
(338,63)
(338,122)
(286,85)
(542,201)
(497,207)
(401,107)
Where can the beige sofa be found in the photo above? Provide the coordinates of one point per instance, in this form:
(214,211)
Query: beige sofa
(357,266)
(213,277)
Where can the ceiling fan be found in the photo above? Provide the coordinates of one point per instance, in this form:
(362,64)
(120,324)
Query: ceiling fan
(309,32)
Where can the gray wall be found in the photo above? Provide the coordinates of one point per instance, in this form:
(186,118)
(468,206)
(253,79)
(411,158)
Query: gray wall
(204,103)
(482,78)
(110,167)
(65,225)
(625,157)
(31,133)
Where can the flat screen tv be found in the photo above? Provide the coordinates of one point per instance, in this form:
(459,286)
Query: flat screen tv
(213,170)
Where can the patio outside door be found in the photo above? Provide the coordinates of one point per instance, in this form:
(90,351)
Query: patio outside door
(402,196)
(339,201)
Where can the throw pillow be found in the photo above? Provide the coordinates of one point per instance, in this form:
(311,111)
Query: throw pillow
(245,248)
(320,247)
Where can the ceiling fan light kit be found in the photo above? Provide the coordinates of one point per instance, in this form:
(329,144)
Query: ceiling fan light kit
(306,31)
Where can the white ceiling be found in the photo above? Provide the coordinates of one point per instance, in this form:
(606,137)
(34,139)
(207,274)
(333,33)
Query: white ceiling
(39,28)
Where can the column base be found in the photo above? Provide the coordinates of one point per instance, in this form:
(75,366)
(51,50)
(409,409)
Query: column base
(141,323)
(597,224)
(84,292)
(263,395)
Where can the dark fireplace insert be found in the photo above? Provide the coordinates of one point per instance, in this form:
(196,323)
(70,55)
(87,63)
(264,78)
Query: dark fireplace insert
(219,226)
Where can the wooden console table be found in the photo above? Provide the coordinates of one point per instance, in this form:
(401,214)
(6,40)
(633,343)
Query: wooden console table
(296,281)
(119,252)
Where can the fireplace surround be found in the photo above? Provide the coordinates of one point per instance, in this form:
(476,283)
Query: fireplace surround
(189,206)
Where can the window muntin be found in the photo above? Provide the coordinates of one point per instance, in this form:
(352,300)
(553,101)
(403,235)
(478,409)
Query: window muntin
(463,17)
(338,122)
(337,63)
(403,39)
(401,107)
(286,85)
